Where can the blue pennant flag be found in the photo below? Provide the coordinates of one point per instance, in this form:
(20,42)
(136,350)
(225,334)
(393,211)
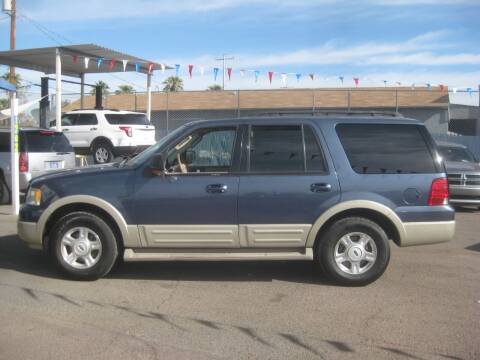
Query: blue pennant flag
(469,90)
(298,76)
(215,73)
(341,79)
(177,69)
(99,62)
(257,73)
(137,67)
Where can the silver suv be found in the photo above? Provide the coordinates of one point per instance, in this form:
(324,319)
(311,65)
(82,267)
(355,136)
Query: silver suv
(41,151)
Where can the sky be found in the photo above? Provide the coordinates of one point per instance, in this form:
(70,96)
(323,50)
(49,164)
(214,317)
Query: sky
(405,41)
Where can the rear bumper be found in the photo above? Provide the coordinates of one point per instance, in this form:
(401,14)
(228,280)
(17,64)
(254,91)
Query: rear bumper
(422,233)
(27,231)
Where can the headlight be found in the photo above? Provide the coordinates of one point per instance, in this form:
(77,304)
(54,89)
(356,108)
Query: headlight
(34,197)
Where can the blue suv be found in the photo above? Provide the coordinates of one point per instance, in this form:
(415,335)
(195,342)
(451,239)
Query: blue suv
(334,189)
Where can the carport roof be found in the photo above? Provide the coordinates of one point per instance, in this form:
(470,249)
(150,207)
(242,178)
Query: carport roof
(43,59)
(5,85)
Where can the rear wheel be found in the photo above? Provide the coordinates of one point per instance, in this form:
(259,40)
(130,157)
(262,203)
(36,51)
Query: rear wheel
(4,191)
(354,251)
(83,246)
(102,152)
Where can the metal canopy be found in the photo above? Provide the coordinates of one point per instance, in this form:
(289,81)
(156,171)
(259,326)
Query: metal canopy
(43,59)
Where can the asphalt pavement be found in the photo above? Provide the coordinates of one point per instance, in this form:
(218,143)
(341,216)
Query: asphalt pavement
(426,306)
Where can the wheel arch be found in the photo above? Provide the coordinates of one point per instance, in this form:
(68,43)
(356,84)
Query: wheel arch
(126,235)
(99,139)
(379,213)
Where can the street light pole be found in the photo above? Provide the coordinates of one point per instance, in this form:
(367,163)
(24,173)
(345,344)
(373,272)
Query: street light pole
(223,59)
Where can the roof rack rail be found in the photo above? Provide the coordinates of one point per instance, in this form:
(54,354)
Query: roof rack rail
(331,112)
(108,109)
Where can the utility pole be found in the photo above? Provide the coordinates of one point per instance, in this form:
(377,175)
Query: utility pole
(13,29)
(223,59)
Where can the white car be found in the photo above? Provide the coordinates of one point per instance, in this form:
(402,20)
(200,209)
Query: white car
(106,134)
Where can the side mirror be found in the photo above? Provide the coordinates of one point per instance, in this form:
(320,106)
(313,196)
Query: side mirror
(157,165)
(190,156)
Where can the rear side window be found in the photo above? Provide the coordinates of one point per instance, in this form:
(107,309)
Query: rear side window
(86,119)
(4,142)
(44,141)
(127,119)
(386,149)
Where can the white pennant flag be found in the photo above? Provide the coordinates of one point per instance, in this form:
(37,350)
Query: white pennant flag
(242,73)
(284,79)
(124,62)
(202,70)
(162,66)
(87,60)
(454,90)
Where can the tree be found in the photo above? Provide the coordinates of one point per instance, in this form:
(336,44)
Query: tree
(173,83)
(17,80)
(104,87)
(124,89)
(4,103)
(215,87)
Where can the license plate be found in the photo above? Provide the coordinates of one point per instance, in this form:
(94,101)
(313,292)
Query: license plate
(53,165)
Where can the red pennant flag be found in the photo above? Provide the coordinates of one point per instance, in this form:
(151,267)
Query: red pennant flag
(357,80)
(442,87)
(270,76)
(74,59)
(229,73)
(312,76)
(150,68)
(190,70)
(111,64)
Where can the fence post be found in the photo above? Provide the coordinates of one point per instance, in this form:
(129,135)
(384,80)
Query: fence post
(238,103)
(396,100)
(135,101)
(313,100)
(348,100)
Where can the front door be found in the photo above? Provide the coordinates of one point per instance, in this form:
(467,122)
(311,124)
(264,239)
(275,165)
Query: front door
(287,185)
(194,205)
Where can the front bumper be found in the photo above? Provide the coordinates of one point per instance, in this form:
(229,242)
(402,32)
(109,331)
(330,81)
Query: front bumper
(27,231)
(422,233)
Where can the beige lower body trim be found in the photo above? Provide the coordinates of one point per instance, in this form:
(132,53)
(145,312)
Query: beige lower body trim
(216,255)
(189,236)
(27,231)
(421,233)
(274,235)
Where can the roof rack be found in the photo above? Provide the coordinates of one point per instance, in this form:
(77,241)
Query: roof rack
(332,112)
(96,109)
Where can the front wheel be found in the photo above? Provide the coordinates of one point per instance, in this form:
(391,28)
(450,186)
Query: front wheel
(83,246)
(102,153)
(354,251)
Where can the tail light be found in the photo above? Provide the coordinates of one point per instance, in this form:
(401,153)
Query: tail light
(438,192)
(23,162)
(127,130)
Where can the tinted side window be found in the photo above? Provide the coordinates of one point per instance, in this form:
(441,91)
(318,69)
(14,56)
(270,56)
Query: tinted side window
(276,149)
(386,148)
(127,119)
(44,141)
(67,120)
(314,159)
(4,141)
(86,119)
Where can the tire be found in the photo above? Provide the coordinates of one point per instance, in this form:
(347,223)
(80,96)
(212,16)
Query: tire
(362,245)
(4,191)
(102,152)
(95,253)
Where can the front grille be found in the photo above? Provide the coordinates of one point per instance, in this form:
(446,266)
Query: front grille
(464,179)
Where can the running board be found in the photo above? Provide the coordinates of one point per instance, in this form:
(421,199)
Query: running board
(220,255)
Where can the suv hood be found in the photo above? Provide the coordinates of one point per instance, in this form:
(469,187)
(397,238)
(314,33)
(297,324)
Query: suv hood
(83,170)
(460,166)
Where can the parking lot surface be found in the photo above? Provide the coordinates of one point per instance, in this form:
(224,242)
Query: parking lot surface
(426,306)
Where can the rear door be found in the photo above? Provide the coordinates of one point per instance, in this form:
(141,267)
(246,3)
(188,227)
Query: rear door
(46,150)
(288,183)
(83,130)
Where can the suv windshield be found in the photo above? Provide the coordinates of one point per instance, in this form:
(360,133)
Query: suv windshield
(44,141)
(456,154)
(127,119)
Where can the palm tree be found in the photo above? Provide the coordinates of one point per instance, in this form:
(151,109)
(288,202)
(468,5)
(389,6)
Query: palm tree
(4,103)
(124,89)
(215,87)
(17,80)
(173,83)
(104,87)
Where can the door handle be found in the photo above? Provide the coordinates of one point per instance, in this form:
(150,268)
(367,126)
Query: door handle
(217,188)
(65,130)
(320,187)
(93,129)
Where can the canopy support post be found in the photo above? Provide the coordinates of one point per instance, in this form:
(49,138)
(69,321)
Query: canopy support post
(14,144)
(82,90)
(149,96)
(58,89)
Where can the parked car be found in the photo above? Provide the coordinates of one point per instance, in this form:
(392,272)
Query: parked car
(41,151)
(463,170)
(334,189)
(105,134)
